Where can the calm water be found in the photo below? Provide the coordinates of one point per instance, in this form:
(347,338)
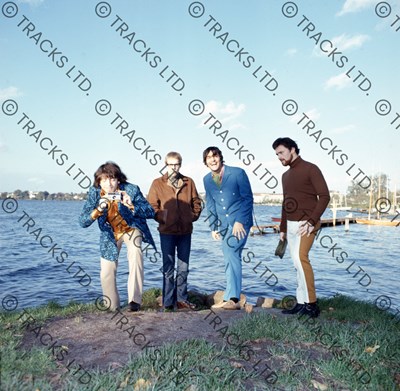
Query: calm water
(32,273)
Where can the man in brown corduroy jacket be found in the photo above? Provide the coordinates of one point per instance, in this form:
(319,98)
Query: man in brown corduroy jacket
(177,205)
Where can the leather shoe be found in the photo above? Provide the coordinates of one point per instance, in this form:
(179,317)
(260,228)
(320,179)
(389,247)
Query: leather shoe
(185,305)
(133,307)
(310,309)
(297,308)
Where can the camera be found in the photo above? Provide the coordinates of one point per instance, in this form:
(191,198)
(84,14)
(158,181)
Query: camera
(114,196)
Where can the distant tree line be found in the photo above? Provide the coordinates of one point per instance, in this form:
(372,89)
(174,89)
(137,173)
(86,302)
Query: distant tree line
(380,188)
(43,195)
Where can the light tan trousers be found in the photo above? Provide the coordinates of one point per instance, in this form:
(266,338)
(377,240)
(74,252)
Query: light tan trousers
(108,271)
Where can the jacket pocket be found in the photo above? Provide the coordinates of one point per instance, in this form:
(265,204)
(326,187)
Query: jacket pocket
(162,216)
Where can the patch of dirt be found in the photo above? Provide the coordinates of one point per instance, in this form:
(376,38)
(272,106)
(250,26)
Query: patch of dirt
(105,339)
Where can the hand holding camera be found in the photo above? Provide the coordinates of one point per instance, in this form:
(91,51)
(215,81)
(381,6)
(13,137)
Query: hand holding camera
(122,197)
(126,200)
(114,196)
(103,204)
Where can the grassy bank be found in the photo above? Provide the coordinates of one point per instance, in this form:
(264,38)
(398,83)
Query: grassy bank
(352,346)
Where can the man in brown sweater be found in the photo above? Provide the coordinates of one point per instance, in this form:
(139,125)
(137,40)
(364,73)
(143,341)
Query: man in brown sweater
(305,198)
(175,200)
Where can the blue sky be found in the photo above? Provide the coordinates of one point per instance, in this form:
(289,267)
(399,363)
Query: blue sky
(212,72)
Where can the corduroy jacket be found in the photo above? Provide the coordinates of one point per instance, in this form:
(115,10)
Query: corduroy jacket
(176,208)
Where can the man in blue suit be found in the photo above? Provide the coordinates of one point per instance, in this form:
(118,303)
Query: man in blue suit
(229,202)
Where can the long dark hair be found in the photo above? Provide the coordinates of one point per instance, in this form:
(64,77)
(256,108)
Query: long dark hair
(110,170)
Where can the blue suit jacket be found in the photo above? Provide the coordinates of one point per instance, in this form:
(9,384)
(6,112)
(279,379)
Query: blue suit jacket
(135,219)
(232,202)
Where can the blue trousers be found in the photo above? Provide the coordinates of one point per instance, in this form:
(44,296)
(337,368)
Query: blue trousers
(175,286)
(232,249)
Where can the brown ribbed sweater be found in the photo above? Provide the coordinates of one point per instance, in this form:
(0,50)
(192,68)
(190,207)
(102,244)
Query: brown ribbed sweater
(305,193)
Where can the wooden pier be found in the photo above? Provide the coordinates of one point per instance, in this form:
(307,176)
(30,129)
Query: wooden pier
(339,221)
(264,229)
(274,228)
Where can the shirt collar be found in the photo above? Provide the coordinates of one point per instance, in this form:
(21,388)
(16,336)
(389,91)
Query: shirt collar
(221,173)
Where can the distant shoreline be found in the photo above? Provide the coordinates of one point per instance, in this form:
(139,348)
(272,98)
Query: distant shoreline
(84,199)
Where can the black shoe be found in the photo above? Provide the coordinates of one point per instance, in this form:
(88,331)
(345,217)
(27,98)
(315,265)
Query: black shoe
(297,308)
(169,308)
(311,310)
(133,307)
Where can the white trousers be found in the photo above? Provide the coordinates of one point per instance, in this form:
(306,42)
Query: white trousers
(108,271)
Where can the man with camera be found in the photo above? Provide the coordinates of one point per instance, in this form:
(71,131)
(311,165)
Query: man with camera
(121,211)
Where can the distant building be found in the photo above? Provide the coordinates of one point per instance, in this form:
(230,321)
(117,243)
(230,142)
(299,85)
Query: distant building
(268,198)
(33,194)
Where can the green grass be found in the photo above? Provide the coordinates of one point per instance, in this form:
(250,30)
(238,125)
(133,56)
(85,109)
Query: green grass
(149,298)
(298,350)
(333,346)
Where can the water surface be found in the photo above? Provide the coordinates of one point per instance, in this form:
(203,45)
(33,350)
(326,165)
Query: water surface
(34,275)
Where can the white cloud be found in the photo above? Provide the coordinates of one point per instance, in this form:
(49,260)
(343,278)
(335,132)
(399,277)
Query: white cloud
(339,82)
(291,52)
(313,114)
(230,108)
(226,113)
(345,42)
(9,92)
(3,147)
(351,6)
